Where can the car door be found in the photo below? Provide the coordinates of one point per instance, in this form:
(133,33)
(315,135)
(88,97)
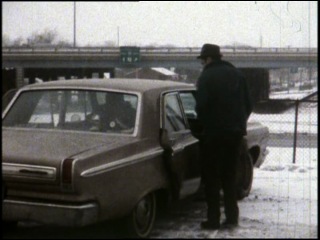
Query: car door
(181,147)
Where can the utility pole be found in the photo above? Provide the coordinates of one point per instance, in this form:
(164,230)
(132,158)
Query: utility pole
(118,36)
(74,24)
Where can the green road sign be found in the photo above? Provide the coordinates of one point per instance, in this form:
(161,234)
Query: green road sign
(129,54)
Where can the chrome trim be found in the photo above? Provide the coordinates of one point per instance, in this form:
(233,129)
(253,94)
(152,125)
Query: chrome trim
(52,205)
(50,213)
(28,171)
(11,102)
(137,158)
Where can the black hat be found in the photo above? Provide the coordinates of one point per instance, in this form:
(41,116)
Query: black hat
(210,50)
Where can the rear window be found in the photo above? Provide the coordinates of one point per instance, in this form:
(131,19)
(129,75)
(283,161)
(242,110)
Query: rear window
(95,111)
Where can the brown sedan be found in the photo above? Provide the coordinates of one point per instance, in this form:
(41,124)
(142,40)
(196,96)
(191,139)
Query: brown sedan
(78,152)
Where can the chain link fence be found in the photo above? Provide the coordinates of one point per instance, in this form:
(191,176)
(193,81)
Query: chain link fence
(293,124)
(293,160)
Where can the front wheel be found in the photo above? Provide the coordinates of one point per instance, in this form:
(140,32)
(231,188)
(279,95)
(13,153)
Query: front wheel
(141,220)
(245,174)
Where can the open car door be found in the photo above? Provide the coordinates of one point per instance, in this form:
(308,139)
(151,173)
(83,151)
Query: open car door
(181,147)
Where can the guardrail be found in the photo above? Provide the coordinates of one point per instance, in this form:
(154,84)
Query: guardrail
(152,50)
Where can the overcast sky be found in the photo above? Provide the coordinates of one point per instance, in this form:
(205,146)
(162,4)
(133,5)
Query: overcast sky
(183,24)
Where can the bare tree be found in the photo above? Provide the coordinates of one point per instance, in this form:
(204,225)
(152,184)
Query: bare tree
(110,43)
(47,38)
(63,43)
(6,41)
(18,41)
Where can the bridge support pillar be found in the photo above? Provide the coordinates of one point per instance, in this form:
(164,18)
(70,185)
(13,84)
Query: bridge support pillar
(20,77)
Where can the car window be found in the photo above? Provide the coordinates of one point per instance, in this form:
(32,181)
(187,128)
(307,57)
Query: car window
(74,110)
(174,120)
(101,99)
(78,106)
(189,104)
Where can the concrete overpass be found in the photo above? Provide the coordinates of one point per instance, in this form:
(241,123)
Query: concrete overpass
(28,62)
(51,57)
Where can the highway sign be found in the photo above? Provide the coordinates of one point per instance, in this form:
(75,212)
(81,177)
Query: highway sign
(129,54)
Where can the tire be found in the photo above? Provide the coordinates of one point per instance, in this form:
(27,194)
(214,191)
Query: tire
(244,174)
(140,221)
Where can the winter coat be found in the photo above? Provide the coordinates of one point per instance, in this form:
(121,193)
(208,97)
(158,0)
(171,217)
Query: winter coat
(223,103)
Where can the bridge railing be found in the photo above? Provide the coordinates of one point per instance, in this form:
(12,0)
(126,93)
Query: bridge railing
(151,50)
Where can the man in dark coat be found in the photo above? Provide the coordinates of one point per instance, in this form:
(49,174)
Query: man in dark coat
(223,108)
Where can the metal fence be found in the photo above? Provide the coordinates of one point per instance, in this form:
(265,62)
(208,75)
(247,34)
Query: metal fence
(290,169)
(293,124)
(305,124)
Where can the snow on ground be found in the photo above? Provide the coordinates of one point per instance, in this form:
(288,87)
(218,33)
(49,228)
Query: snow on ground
(283,202)
(287,126)
(284,199)
(284,122)
(292,94)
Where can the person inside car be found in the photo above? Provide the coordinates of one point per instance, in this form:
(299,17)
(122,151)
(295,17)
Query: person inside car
(117,115)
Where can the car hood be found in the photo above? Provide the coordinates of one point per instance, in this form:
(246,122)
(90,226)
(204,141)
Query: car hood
(21,146)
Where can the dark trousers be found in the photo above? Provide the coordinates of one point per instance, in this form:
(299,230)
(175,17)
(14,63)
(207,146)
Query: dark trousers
(219,166)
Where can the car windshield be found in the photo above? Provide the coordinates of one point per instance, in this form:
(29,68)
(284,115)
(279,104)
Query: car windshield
(79,110)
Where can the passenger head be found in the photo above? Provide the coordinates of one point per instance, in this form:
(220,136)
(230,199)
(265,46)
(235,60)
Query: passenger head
(114,99)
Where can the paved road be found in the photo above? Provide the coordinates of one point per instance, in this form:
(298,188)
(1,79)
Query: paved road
(169,224)
(262,215)
(182,220)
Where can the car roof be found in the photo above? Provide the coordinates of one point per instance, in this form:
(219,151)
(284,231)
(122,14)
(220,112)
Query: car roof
(122,84)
